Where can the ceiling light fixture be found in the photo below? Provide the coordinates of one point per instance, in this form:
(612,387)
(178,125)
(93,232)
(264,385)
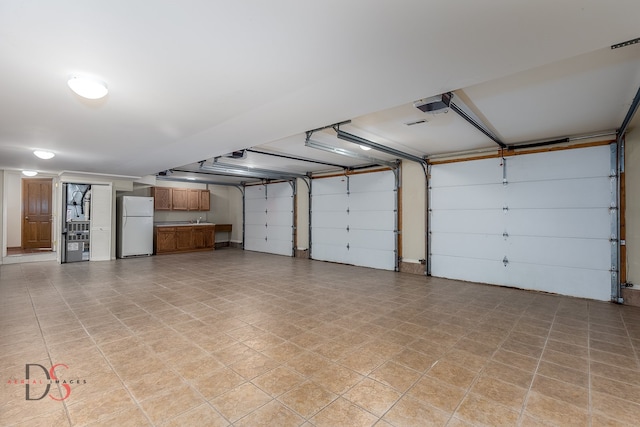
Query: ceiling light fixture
(29,173)
(88,87)
(365,148)
(46,155)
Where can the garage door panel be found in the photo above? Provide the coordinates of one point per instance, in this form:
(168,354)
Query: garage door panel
(478,246)
(255,230)
(468,269)
(486,171)
(254,192)
(330,252)
(330,203)
(557,223)
(333,236)
(487,196)
(374,239)
(368,257)
(593,223)
(577,282)
(372,182)
(256,244)
(268,209)
(329,220)
(568,252)
(334,185)
(558,165)
(255,218)
(489,221)
(572,193)
(367,208)
(280,232)
(378,220)
(381,200)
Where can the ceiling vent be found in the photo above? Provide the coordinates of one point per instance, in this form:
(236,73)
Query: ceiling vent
(416,122)
(242,154)
(434,103)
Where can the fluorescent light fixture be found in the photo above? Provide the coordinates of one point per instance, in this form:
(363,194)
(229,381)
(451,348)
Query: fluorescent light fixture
(365,148)
(190,178)
(29,173)
(46,155)
(88,87)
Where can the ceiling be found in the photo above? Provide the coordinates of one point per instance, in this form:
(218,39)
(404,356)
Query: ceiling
(191,81)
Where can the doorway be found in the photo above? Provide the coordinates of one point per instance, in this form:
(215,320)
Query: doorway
(37,214)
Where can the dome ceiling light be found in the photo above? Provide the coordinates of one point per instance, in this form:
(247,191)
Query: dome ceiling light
(46,155)
(88,87)
(29,173)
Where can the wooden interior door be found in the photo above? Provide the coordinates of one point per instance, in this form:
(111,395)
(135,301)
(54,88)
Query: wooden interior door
(37,215)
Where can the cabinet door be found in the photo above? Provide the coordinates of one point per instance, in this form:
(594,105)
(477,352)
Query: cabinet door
(198,237)
(165,239)
(194,200)
(209,237)
(184,238)
(180,199)
(161,198)
(205,198)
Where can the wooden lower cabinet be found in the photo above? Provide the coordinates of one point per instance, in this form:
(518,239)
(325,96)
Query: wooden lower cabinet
(164,239)
(184,239)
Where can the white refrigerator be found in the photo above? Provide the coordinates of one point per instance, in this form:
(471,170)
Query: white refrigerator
(135,226)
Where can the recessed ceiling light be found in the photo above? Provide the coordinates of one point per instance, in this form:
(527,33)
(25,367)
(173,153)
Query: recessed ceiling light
(365,148)
(191,178)
(29,173)
(46,155)
(88,87)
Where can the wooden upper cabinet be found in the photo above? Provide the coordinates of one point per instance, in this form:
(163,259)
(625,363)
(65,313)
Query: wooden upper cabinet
(205,197)
(194,200)
(180,199)
(161,198)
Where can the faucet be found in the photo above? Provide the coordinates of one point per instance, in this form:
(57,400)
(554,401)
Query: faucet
(198,220)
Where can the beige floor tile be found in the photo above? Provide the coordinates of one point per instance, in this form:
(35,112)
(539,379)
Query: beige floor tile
(452,374)
(363,362)
(175,401)
(395,375)
(373,396)
(240,401)
(341,412)
(273,413)
(501,392)
(203,415)
(480,411)
(217,382)
(437,394)
(561,391)
(336,378)
(307,399)
(555,412)
(186,323)
(410,412)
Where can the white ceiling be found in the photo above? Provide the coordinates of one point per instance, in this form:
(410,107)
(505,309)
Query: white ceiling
(193,80)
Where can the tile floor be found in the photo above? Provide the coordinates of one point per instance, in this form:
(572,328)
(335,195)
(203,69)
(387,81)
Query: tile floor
(247,339)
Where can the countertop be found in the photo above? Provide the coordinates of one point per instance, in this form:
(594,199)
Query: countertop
(180,224)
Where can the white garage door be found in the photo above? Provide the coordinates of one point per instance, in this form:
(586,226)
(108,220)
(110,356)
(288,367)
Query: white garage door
(353,219)
(535,221)
(268,218)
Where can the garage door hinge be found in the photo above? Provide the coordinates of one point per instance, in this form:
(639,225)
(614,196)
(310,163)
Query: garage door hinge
(347,246)
(505,234)
(347,228)
(613,239)
(505,209)
(505,261)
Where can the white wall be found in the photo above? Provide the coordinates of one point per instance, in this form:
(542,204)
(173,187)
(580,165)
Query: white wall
(13,200)
(226,208)
(3,248)
(413,212)
(302,215)
(632,213)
